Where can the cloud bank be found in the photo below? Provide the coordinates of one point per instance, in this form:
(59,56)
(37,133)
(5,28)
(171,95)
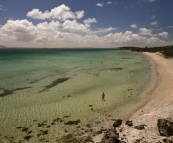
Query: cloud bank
(61,13)
(60,27)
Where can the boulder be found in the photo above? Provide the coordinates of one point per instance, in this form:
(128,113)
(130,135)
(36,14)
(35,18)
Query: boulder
(165,127)
(68,139)
(167,141)
(140,127)
(117,123)
(129,123)
(110,136)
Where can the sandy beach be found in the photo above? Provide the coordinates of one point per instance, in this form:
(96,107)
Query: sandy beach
(162,95)
(159,106)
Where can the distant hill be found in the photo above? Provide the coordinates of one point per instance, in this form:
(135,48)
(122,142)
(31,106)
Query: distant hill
(2,46)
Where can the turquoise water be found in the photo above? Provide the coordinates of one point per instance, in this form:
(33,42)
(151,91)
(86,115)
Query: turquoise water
(41,85)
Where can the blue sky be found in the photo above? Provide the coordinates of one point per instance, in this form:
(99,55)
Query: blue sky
(86,23)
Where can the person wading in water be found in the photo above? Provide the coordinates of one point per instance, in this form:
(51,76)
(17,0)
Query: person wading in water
(103,96)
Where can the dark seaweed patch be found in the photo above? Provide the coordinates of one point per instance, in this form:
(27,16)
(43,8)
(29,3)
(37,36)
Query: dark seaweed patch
(115,69)
(32,82)
(55,83)
(8,92)
(72,122)
(23,129)
(21,88)
(127,58)
(42,132)
(37,80)
(66,116)
(57,119)
(42,124)
(138,63)
(66,96)
(96,74)
(28,137)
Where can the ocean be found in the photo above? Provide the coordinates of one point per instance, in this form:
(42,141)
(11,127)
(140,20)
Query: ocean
(46,94)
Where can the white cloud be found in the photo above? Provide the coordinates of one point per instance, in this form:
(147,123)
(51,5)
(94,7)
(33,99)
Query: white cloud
(151,0)
(88,21)
(45,26)
(18,26)
(109,2)
(134,26)
(22,30)
(48,32)
(145,31)
(10,18)
(74,26)
(170,26)
(24,33)
(153,17)
(128,32)
(79,14)
(128,38)
(61,13)
(164,35)
(99,4)
(148,32)
(37,14)
(102,30)
(154,23)
(2,7)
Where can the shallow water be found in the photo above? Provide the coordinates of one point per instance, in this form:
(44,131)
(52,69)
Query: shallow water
(41,85)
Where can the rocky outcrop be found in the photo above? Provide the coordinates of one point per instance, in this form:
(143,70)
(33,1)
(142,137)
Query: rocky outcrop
(129,123)
(168,140)
(121,132)
(110,136)
(140,127)
(117,123)
(165,127)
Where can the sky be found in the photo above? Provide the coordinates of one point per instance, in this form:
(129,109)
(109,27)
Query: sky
(86,23)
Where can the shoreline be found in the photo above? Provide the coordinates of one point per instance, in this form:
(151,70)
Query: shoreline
(163,86)
(159,105)
(149,88)
(147,91)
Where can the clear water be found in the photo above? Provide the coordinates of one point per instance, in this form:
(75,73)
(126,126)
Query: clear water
(29,94)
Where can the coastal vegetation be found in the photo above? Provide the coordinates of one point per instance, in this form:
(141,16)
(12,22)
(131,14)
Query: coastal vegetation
(167,51)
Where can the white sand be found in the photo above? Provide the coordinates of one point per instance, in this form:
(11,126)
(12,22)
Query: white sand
(159,106)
